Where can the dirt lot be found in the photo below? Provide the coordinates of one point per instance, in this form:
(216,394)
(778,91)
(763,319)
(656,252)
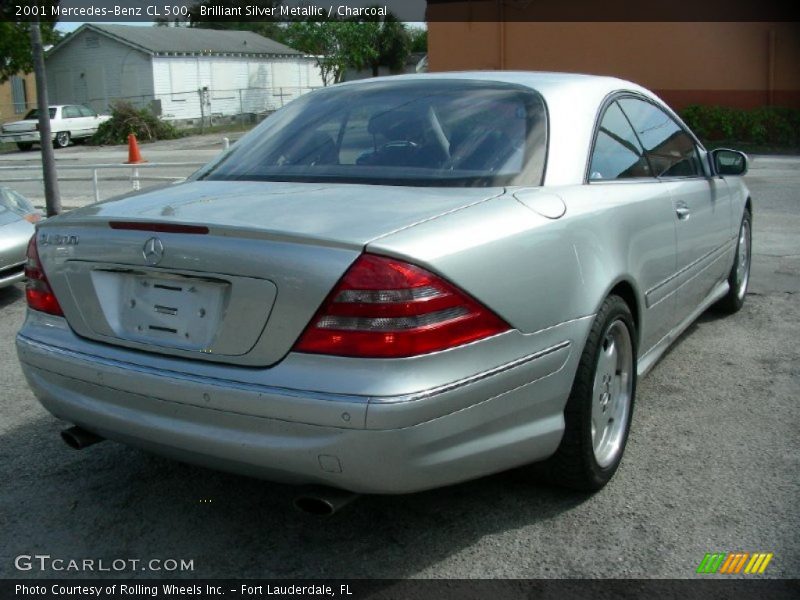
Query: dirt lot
(713,464)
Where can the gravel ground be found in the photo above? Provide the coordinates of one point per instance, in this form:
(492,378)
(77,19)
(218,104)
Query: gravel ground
(713,464)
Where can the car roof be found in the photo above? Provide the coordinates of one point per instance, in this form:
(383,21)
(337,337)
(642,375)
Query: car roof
(542,81)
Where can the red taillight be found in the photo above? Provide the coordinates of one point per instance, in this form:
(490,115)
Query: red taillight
(386,308)
(37,289)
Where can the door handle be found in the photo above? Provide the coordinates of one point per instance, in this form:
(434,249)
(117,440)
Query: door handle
(682,211)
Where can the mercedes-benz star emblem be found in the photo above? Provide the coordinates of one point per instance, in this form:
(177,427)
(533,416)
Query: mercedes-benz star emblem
(153,251)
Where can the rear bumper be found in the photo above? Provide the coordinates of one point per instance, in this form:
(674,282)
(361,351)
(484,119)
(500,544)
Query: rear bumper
(498,419)
(22,137)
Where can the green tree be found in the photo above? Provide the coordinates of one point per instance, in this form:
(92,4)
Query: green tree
(15,41)
(418,38)
(339,44)
(331,43)
(384,42)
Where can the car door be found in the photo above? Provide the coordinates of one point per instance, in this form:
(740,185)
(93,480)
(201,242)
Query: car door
(86,120)
(72,121)
(701,203)
(621,178)
(90,120)
(57,118)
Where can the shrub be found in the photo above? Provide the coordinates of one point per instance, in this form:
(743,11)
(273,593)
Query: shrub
(126,119)
(768,125)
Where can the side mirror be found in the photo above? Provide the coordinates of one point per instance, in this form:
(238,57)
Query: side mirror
(729,162)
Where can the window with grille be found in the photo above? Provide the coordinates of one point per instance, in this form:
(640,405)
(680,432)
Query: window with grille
(19,94)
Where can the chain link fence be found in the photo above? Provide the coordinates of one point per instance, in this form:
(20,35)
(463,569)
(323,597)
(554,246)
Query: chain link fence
(201,107)
(216,106)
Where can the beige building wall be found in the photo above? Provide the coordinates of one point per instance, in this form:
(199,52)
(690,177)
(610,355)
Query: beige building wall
(7,110)
(734,64)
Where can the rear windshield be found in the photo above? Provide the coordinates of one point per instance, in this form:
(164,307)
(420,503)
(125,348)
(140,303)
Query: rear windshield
(34,114)
(426,133)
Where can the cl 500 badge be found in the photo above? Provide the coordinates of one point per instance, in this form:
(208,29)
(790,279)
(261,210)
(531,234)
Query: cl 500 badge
(55,239)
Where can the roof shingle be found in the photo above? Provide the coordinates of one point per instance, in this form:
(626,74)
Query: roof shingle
(159,40)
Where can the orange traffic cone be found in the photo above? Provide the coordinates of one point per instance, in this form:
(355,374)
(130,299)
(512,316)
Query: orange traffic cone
(134,156)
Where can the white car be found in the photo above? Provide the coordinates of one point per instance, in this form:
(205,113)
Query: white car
(67,122)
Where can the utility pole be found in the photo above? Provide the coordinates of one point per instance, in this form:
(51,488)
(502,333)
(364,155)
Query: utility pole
(52,197)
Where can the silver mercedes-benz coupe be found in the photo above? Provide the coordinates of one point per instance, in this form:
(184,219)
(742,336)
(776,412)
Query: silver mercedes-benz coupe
(395,284)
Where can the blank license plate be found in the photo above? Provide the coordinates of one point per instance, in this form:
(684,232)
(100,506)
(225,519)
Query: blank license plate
(174,311)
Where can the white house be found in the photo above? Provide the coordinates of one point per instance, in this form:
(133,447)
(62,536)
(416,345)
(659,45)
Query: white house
(174,69)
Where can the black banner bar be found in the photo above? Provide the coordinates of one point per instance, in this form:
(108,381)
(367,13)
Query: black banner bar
(704,588)
(405,10)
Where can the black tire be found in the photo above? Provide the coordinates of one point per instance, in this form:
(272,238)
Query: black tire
(575,465)
(62,139)
(739,278)
(24,146)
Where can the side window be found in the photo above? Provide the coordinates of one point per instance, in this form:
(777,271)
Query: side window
(617,153)
(70,112)
(671,151)
(86,112)
(19,94)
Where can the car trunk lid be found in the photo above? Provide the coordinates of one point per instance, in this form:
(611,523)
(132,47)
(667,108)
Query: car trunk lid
(20,126)
(221,271)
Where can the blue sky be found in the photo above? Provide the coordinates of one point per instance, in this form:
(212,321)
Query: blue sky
(67,27)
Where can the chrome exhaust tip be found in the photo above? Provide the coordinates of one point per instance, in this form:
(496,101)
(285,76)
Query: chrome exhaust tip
(78,438)
(323,501)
